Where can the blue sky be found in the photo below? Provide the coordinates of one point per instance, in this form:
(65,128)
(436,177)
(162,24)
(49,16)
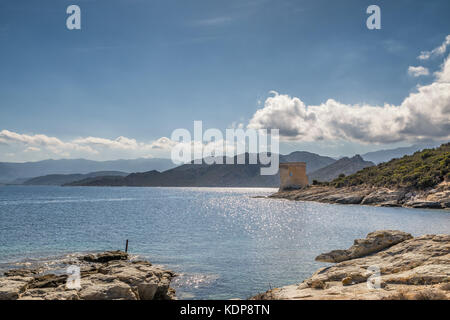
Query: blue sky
(140,69)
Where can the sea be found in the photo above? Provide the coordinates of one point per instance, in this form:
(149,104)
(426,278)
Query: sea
(223,243)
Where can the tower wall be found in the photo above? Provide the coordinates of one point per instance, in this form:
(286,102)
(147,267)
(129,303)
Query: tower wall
(293,175)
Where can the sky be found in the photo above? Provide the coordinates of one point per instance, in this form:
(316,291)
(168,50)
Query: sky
(137,70)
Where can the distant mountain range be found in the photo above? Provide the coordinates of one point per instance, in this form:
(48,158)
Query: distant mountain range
(10,172)
(162,172)
(60,179)
(342,166)
(215,175)
(389,154)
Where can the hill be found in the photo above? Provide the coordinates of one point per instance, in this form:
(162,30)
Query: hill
(423,169)
(11,171)
(204,175)
(421,180)
(60,179)
(313,161)
(344,166)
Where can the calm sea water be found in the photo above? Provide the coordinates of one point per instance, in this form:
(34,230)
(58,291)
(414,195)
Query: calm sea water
(224,242)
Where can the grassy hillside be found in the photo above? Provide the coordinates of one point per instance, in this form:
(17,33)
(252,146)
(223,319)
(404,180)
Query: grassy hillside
(423,169)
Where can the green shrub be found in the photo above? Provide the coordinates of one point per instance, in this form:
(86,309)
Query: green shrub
(424,169)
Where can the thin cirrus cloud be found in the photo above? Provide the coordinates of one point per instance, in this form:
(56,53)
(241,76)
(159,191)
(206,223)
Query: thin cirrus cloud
(215,21)
(424,114)
(425,55)
(418,71)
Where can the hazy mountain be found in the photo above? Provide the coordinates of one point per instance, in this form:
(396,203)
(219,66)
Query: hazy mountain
(313,161)
(389,154)
(345,165)
(60,179)
(204,175)
(10,171)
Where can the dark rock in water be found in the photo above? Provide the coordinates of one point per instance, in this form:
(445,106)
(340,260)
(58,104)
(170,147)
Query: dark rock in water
(352,199)
(425,205)
(20,273)
(48,281)
(391,204)
(105,256)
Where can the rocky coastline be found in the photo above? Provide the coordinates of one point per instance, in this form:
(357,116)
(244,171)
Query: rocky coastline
(109,275)
(386,265)
(435,198)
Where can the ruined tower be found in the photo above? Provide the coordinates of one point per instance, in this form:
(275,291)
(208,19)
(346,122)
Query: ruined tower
(293,175)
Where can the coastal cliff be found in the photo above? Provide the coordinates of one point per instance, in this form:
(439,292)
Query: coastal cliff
(409,269)
(109,275)
(435,198)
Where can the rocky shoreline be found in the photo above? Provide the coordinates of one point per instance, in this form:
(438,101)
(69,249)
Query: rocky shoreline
(109,275)
(436,198)
(408,269)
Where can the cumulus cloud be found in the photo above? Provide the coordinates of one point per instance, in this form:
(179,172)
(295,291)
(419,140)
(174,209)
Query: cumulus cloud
(43,146)
(418,71)
(425,55)
(33,142)
(40,146)
(32,149)
(424,114)
(119,143)
(163,143)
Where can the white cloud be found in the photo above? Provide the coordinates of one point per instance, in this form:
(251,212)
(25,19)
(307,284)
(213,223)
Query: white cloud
(418,71)
(42,147)
(443,75)
(39,146)
(32,149)
(163,143)
(119,143)
(52,144)
(425,55)
(424,114)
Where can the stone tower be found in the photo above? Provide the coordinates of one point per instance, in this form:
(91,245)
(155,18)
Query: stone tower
(293,175)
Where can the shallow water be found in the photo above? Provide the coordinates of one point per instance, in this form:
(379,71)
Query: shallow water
(224,242)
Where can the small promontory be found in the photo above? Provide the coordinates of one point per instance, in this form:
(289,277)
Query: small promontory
(421,180)
(387,264)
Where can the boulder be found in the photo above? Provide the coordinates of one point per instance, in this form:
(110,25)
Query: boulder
(374,242)
(424,204)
